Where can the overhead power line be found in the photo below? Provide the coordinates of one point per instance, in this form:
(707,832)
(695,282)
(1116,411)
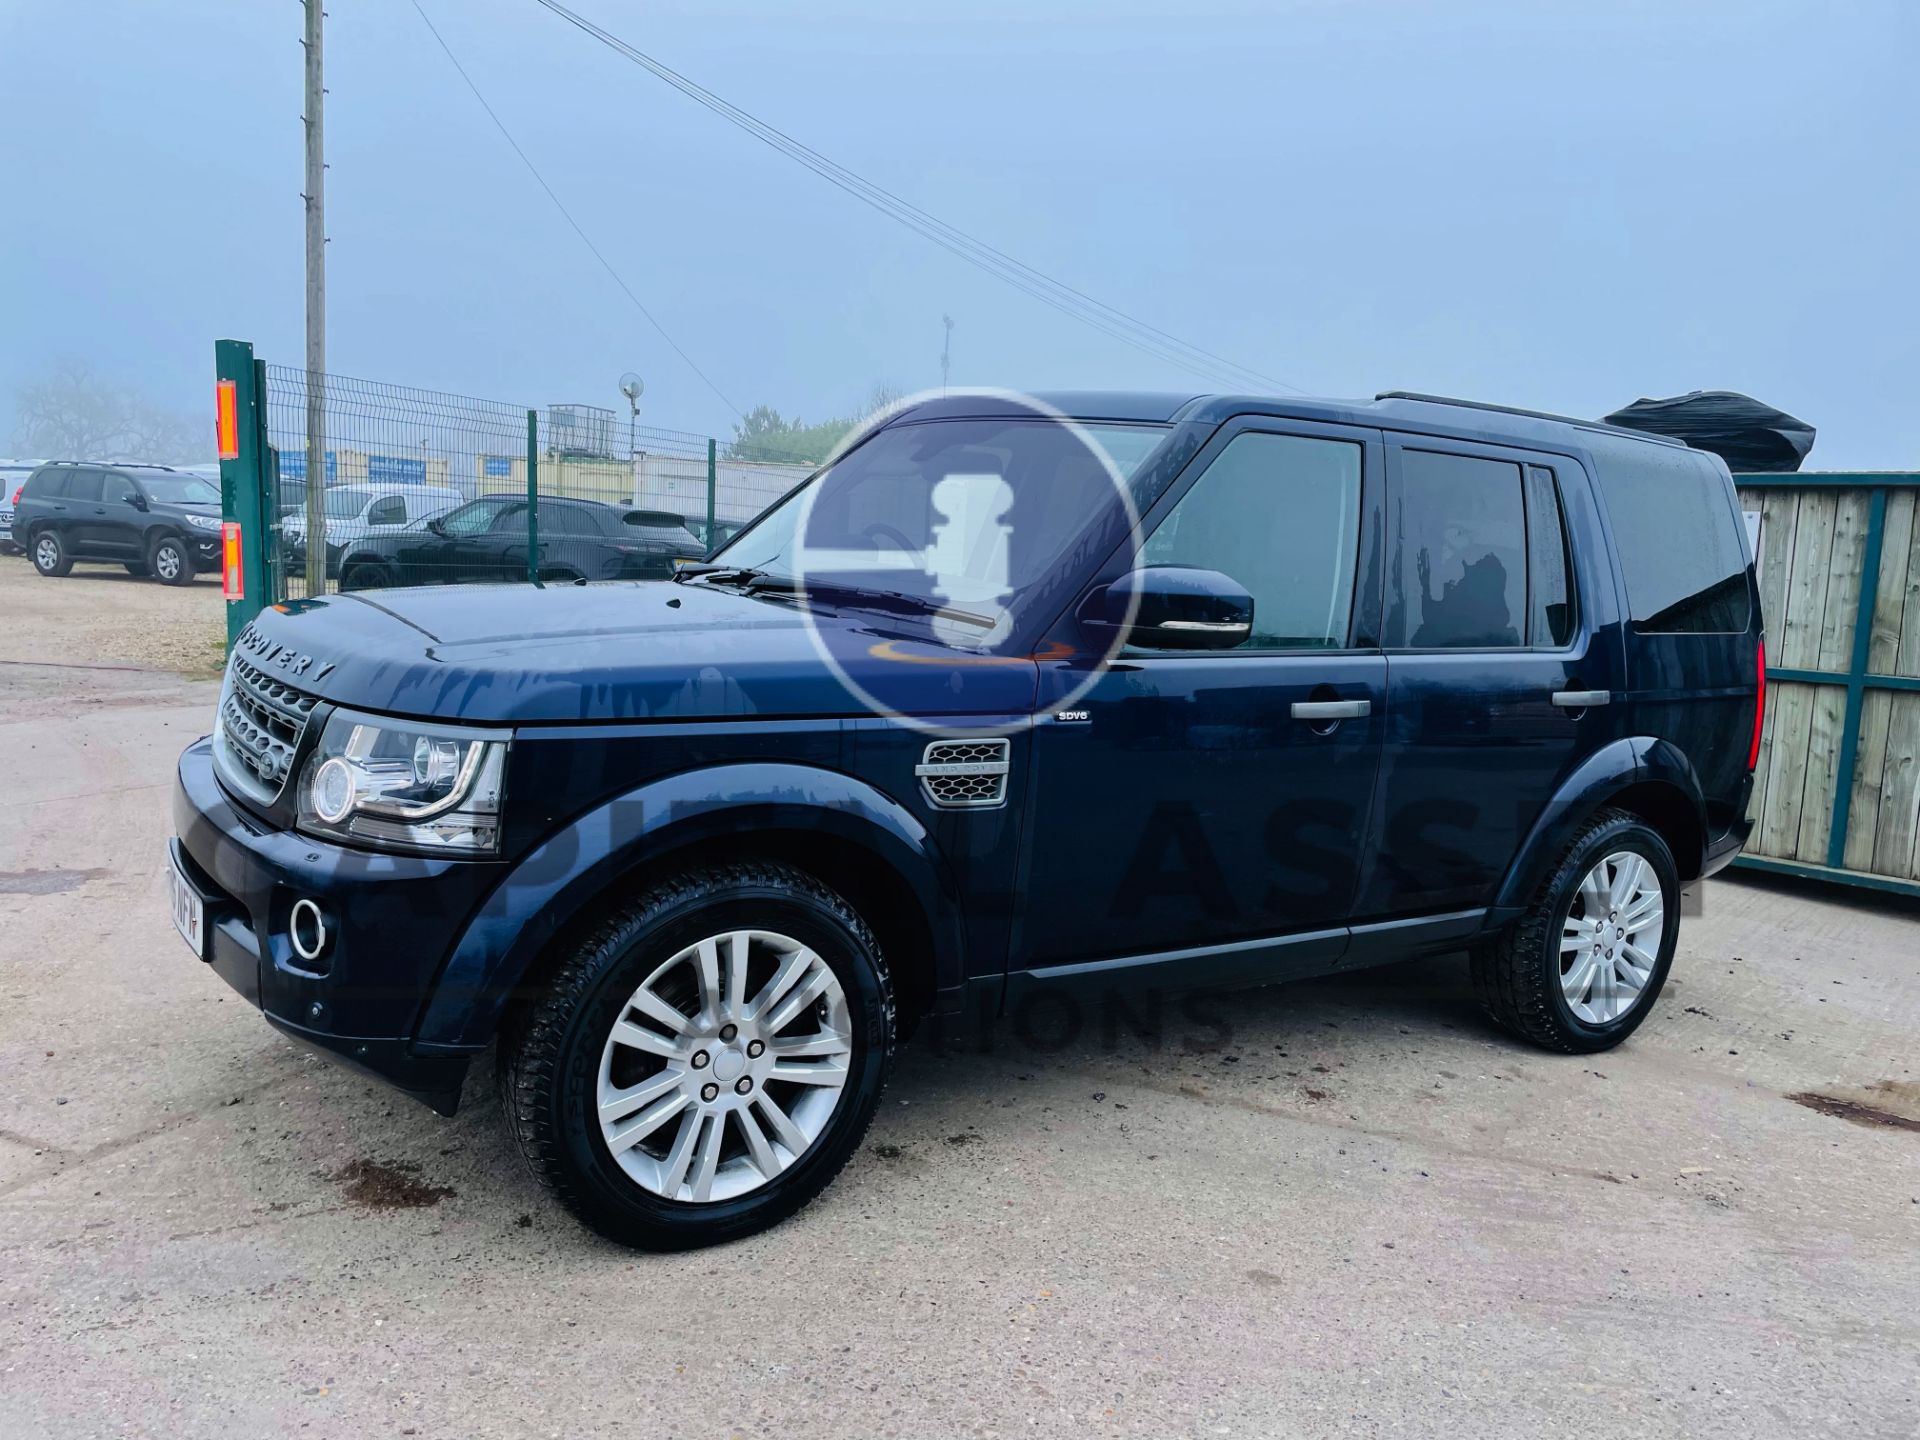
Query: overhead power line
(1061,296)
(567,214)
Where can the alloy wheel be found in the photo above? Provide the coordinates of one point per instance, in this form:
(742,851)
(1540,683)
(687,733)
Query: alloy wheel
(166,563)
(47,553)
(1610,940)
(724,1066)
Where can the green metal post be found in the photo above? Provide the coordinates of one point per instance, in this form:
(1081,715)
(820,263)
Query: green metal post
(713,471)
(243,486)
(533,496)
(1857,679)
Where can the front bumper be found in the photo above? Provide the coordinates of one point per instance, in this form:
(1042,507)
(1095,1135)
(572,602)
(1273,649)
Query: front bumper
(391,921)
(206,551)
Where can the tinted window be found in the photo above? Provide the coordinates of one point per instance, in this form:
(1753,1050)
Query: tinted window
(86,485)
(1280,515)
(1460,531)
(47,484)
(119,489)
(513,517)
(1681,551)
(568,520)
(476,517)
(180,490)
(390,511)
(1550,610)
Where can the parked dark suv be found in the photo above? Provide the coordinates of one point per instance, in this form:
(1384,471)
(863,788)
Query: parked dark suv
(1367,681)
(149,518)
(487,539)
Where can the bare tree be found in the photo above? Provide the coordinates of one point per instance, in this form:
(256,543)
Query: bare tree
(70,413)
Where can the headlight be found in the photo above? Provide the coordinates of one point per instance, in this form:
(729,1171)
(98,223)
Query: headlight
(204,522)
(400,784)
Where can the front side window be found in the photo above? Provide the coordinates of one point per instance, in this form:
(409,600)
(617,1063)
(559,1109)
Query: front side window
(180,490)
(390,511)
(120,490)
(1458,526)
(475,518)
(1280,516)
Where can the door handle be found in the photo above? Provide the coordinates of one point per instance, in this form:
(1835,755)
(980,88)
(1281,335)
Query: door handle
(1331,709)
(1581,699)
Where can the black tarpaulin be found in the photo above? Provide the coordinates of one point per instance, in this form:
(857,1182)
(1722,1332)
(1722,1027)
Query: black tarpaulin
(1746,434)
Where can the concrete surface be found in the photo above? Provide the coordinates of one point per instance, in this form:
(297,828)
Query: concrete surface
(1341,1208)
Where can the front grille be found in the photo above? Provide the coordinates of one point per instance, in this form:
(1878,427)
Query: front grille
(964,774)
(261,722)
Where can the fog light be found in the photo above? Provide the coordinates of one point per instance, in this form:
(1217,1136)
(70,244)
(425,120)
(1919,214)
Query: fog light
(307,930)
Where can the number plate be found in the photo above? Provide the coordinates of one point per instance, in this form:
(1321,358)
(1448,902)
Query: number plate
(189,913)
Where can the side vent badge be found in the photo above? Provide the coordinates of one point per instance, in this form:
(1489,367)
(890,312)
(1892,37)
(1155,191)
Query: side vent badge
(964,774)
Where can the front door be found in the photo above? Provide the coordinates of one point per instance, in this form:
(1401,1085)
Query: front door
(1499,681)
(1203,823)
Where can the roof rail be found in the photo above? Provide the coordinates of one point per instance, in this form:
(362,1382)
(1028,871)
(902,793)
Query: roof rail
(1532,415)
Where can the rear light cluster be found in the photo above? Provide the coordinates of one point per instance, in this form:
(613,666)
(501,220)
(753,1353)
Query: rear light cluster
(1759,709)
(18,491)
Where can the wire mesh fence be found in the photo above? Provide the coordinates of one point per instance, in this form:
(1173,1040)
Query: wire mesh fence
(422,488)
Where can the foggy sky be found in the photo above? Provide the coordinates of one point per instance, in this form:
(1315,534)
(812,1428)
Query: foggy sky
(1550,205)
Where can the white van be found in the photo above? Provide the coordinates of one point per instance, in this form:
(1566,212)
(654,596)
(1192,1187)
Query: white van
(355,512)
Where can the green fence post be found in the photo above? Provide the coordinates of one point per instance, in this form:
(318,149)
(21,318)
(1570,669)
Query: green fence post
(713,471)
(533,496)
(239,428)
(1863,616)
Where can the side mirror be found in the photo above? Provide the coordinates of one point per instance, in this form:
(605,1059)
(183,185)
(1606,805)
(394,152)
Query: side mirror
(1177,608)
(137,500)
(437,528)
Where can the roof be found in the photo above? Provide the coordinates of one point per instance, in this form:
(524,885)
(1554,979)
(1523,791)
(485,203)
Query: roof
(1390,410)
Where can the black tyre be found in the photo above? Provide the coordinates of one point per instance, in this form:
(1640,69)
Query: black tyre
(364,576)
(706,1060)
(169,561)
(1582,969)
(50,555)
(135,567)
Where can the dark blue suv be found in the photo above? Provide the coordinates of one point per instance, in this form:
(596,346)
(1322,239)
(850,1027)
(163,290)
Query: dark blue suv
(1012,700)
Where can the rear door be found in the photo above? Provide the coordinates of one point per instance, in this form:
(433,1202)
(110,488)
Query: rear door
(84,512)
(1498,681)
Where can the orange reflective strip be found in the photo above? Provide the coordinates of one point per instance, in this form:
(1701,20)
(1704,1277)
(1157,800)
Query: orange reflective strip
(232,578)
(227,420)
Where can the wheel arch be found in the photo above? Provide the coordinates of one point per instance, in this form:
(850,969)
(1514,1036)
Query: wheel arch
(849,836)
(1645,776)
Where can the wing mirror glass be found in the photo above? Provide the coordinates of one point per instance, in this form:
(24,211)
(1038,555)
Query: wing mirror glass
(1176,607)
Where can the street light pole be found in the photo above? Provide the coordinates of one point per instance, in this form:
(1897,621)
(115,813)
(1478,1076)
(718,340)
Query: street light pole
(316,310)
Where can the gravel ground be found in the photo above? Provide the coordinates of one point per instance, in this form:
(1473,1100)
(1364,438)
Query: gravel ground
(1343,1208)
(101,615)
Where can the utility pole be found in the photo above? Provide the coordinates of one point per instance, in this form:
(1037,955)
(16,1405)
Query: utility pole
(316,310)
(946,352)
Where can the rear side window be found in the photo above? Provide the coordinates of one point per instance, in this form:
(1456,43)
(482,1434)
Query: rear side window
(1550,614)
(47,484)
(1681,551)
(567,520)
(1460,525)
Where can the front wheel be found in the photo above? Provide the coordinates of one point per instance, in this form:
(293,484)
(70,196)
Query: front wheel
(50,556)
(706,1061)
(169,561)
(1582,968)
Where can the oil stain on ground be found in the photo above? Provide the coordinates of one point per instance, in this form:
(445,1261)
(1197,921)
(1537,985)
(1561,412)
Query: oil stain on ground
(45,882)
(1857,1111)
(377,1186)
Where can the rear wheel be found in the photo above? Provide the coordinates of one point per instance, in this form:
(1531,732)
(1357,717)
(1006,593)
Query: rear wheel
(1583,967)
(706,1061)
(364,577)
(50,556)
(169,561)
